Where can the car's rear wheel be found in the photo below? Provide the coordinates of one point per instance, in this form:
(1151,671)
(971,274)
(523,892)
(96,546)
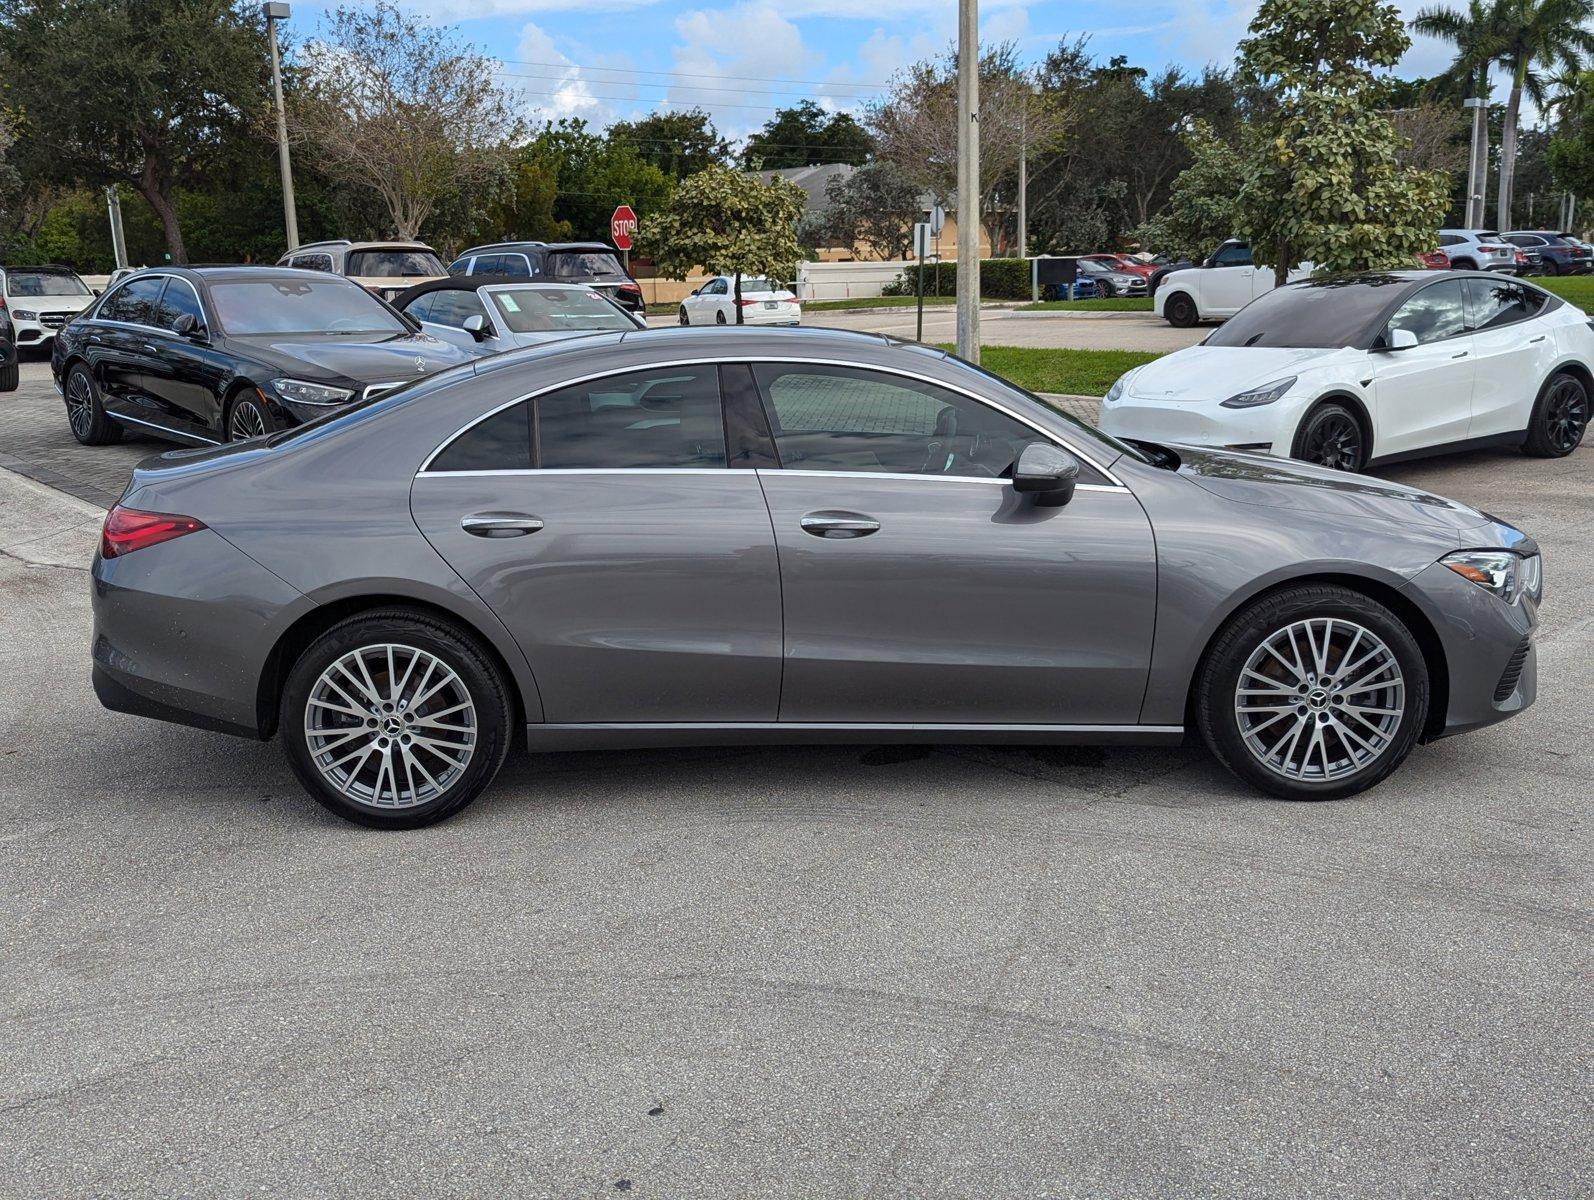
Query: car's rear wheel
(684,319)
(247,418)
(1550,267)
(85,412)
(1331,436)
(1560,417)
(1180,310)
(395,719)
(719,318)
(1314,693)
(1463,264)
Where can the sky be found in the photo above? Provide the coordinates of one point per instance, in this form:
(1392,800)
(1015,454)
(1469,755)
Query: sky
(607,60)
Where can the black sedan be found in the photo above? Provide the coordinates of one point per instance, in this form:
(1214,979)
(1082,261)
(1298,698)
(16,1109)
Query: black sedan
(8,353)
(219,354)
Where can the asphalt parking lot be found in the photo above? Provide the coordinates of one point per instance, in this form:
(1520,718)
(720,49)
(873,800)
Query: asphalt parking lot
(967,971)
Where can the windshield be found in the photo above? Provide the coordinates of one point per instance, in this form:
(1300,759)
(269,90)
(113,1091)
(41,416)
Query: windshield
(548,310)
(300,306)
(1089,431)
(44,283)
(583,264)
(1320,314)
(393,264)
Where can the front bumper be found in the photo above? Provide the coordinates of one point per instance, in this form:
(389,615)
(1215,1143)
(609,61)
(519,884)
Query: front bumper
(1266,429)
(1490,659)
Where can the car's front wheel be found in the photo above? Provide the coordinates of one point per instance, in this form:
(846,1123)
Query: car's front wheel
(1180,311)
(1313,693)
(247,418)
(1331,436)
(85,412)
(684,319)
(395,719)
(1559,419)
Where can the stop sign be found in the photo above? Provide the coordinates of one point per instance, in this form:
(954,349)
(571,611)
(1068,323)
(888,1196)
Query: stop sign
(622,226)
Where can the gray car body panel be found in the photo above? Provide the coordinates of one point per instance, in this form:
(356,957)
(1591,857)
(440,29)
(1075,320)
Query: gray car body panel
(663,620)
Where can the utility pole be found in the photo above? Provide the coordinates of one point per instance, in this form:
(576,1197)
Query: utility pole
(277,10)
(968,306)
(1023,177)
(113,210)
(1478,167)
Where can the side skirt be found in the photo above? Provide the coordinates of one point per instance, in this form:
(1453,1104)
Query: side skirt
(644,735)
(1477,443)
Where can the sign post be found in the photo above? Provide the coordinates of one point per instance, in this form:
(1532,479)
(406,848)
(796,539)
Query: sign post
(622,228)
(921,244)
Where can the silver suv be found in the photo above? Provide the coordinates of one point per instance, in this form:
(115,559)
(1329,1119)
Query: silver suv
(1479,250)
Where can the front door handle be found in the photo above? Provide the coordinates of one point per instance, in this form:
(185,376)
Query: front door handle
(835,523)
(1540,338)
(1459,354)
(500,524)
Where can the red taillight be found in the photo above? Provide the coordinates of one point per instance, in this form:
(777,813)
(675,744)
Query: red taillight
(748,303)
(128,529)
(630,287)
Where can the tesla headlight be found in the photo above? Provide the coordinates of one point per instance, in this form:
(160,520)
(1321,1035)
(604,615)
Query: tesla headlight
(298,391)
(24,314)
(1265,394)
(1500,572)
(1116,392)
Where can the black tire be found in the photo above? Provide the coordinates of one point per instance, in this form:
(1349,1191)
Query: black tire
(719,318)
(1180,311)
(476,673)
(1463,264)
(1331,436)
(247,418)
(1560,417)
(1104,290)
(1218,684)
(1549,267)
(85,413)
(685,320)
(10,377)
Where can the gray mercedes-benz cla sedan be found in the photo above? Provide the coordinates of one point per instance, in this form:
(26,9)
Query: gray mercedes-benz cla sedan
(731,536)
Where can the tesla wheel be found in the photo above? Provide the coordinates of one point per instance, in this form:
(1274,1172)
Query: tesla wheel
(1180,311)
(685,320)
(84,411)
(1313,693)
(247,418)
(1331,436)
(395,719)
(1560,417)
(719,318)
(10,377)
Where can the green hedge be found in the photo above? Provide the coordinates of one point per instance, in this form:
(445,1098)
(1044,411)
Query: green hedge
(1000,279)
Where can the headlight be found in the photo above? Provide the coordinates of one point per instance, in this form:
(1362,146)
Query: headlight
(1500,572)
(1116,392)
(297,391)
(1262,395)
(23,314)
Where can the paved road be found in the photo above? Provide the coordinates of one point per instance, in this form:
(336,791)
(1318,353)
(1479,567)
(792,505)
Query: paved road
(969,971)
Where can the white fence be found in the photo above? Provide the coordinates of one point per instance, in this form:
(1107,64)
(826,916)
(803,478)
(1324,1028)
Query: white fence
(842,280)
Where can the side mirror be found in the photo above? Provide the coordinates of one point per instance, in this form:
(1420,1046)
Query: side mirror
(1047,472)
(1402,339)
(476,326)
(96,291)
(187,326)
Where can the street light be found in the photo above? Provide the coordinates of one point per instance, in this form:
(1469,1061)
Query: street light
(277,10)
(1478,164)
(968,298)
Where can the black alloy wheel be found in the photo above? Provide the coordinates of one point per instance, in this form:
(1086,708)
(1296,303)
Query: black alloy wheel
(685,320)
(1559,419)
(84,411)
(1332,437)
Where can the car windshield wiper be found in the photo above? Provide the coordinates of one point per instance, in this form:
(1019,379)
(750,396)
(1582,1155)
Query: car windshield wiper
(1159,456)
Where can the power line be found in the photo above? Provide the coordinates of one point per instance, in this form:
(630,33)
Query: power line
(857,86)
(664,100)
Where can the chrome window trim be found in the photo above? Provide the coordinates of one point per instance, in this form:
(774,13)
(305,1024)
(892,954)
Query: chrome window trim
(1055,439)
(160,329)
(905,477)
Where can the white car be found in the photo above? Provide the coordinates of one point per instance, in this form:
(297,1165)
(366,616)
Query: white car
(1373,367)
(477,314)
(764,302)
(41,300)
(1214,291)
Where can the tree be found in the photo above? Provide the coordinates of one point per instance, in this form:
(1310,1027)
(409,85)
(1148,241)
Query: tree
(1571,150)
(1322,179)
(1202,208)
(400,107)
(595,175)
(153,93)
(873,207)
(805,136)
(729,223)
(1477,36)
(679,143)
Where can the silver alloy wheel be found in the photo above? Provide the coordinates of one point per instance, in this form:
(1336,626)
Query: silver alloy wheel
(1319,700)
(246,422)
(390,726)
(79,404)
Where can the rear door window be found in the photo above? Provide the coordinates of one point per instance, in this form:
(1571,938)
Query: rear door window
(1437,312)
(136,302)
(660,418)
(501,442)
(1497,302)
(312,262)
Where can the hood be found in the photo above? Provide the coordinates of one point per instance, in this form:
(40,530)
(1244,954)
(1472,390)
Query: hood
(50,304)
(383,358)
(1270,482)
(391,283)
(1202,373)
(553,335)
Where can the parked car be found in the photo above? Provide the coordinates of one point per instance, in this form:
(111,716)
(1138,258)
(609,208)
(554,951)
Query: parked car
(1127,263)
(1214,292)
(1557,255)
(592,263)
(213,354)
(1112,281)
(1479,250)
(41,300)
(1576,240)
(728,537)
(487,314)
(9,372)
(764,302)
(1235,252)
(1373,368)
(386,268)
(1434,260)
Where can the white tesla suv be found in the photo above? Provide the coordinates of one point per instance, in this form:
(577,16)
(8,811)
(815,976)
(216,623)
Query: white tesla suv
(1373,367)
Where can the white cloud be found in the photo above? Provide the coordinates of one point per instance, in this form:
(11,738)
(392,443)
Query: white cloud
(556,87)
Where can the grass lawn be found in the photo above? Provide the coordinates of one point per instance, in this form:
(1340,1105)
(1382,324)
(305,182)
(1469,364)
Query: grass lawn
(1076,372)
(1111,304)
(874,302)
(1575,289)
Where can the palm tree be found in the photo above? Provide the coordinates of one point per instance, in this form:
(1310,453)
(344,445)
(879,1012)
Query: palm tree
(1479,39)
(1537,33)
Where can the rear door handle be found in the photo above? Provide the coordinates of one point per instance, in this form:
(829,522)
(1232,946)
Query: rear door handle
(500,524)
(1459,354)
(836,523)
(1540,338)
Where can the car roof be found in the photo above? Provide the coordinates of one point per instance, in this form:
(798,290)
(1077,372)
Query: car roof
(227,272)
(39,268)
(385,244)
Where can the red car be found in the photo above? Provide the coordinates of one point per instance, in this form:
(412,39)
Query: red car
(1121,262)
(1434,260)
